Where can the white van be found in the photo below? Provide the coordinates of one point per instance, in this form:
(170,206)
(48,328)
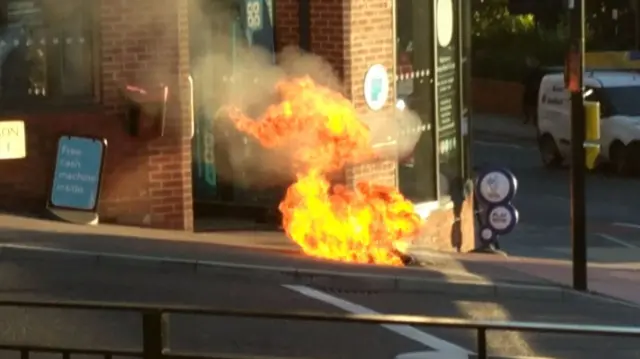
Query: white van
(619,97)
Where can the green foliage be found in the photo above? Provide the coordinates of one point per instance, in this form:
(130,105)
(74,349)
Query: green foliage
(502,42)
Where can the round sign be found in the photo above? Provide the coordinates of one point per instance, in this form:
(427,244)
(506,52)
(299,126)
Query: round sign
(486,234)
(444,21)
(502,218)
(376,87)
(497,186)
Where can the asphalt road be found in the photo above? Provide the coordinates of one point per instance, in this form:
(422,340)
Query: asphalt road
(33,280)
(543,201)
(50,280)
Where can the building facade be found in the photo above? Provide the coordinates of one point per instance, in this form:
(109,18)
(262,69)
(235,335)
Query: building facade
(66,68)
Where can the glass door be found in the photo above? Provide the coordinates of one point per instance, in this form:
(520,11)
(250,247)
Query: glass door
(415,86)
(219,32)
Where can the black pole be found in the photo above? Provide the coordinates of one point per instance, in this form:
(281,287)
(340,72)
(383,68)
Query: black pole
(578,210)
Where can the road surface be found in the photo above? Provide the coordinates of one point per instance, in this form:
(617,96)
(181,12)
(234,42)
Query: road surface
(543,201)
(53,280)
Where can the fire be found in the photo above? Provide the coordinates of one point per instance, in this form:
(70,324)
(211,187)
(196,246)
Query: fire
(368,224)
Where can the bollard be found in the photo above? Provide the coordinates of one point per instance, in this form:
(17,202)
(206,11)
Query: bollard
(592,135)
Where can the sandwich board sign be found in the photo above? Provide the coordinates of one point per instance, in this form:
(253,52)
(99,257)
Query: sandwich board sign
(77,179)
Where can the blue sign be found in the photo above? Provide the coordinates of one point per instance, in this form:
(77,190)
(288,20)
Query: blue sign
(77,173)
(502,218)
(497,186)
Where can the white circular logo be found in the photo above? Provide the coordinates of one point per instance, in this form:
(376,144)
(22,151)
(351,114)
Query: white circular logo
(254,15)
(444,22)
(500,218)
(495,187)
(376,87)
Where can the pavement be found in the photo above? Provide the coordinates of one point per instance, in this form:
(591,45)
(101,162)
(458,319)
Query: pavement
(502,128)
(273,257)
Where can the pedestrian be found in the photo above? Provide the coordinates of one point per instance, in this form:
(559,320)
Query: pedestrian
(531,85)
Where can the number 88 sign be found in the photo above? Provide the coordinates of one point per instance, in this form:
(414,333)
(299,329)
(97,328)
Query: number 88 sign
(254,14)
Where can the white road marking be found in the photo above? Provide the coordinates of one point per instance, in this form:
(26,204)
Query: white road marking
(617,241)
(627,225)
(442,348)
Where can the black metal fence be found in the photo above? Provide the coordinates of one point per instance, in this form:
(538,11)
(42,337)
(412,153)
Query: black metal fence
(155,323)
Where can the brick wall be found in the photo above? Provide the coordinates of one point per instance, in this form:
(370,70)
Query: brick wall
(286,27)
(329,32)
(497,97)
(352,36)
(146,182)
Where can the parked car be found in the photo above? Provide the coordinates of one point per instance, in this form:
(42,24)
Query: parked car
(618,93)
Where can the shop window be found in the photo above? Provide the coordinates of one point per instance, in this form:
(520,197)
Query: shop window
(414,86)
(430,67)
(46,50)
(448,96)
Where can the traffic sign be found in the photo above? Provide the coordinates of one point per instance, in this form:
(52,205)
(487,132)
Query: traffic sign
(497,186)
(502,218)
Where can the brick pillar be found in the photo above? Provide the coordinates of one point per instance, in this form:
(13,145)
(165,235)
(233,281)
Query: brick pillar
(286,23)
(353,35)
(146,42)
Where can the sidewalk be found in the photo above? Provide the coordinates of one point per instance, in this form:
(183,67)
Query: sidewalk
(228,248)
(609,280)
(504,127)
(273,250)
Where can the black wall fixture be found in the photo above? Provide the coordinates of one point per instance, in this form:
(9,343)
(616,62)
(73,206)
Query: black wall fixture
(304,24)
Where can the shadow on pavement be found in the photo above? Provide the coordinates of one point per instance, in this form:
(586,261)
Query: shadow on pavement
(579,309)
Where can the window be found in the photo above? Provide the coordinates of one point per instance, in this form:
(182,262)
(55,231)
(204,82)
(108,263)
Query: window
(46,50)
(431,66)
(414,84)
(621,100)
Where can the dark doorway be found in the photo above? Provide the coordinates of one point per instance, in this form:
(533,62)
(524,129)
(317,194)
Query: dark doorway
(219,31)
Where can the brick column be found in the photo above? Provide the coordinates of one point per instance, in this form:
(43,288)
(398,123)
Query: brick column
(353,35)
(286,23)
(146,42)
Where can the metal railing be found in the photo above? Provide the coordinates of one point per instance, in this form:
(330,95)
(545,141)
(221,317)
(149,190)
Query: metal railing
(155,323)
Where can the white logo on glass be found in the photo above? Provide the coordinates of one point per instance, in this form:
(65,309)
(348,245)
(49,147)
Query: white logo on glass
(254,15)
(444,22)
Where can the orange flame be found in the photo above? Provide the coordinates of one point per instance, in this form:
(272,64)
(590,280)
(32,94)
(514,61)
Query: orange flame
(366,225)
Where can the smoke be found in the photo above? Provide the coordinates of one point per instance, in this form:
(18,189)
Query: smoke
(230,73)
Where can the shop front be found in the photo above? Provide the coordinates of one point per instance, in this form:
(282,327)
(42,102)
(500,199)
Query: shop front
(432,79)
(427,61)
(81,56)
